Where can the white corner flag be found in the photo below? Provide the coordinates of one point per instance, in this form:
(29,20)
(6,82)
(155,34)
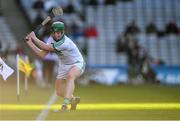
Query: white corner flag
(5,70)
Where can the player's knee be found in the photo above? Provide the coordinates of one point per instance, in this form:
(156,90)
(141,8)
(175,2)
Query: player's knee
(60,94)
(70,76)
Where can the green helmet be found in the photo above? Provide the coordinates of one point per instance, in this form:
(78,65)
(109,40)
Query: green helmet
(57,26)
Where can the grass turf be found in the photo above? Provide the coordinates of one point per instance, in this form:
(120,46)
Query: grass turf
(94,94)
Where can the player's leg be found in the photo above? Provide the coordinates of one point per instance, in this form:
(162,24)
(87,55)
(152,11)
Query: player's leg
(73,73)
(60,86)
(76,100)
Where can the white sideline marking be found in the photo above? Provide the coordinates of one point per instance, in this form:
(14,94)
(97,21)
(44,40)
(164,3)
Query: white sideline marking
(42,116)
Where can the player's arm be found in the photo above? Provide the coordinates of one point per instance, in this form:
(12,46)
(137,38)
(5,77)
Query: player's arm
(41,44)
(39,52)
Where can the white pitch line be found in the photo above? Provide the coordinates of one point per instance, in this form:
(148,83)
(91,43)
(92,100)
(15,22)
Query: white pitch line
(42,116)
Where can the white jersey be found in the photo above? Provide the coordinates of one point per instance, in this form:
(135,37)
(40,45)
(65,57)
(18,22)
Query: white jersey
(66,50)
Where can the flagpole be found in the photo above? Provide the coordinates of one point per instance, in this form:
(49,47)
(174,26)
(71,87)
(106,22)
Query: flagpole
(26,80)
(18,82)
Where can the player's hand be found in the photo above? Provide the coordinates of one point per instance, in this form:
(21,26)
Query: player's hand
(28,40)
(32,35)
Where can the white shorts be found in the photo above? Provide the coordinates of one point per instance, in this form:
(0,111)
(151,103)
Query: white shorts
(64,69)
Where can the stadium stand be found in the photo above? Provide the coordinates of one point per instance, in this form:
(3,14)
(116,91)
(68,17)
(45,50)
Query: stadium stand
(7,38)
(113,20)
(8,42)
(123,20)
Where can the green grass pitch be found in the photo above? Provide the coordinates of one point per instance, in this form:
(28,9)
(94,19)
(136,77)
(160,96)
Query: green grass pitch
(94,94)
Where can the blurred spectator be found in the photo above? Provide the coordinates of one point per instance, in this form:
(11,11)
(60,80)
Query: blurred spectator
(125,43)
(38,4)
(82,17)
(126,0)
(147,72)
(91,32)
(69,9)
(110,2)
(132,28)
(132,50)
(151,28)
(122,44)
(133,53)
(161,33)
(171,28)
(93,2)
